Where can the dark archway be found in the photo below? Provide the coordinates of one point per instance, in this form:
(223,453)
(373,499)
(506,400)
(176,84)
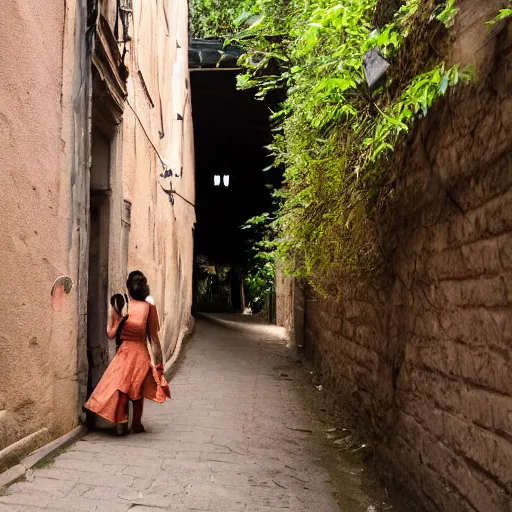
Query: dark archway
(231,130)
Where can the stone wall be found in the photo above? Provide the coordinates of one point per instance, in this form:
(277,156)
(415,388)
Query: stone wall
(422,361)
(284,302)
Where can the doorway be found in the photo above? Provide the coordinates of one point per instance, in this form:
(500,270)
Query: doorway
(99,229)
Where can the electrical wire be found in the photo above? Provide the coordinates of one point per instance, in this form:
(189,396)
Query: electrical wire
(89,28)
(146,134)
(184,199)
(164,165)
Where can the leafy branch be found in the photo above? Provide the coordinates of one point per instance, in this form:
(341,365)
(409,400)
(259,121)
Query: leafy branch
(503,14)
(333,136)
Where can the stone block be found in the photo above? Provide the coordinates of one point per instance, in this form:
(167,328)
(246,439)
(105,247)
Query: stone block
(411,353)
(501,462)
(365,336)
(477,327)
(490,292)
(482,258)
(441,495)
(85,505)
(347,329)
(34,498)
(410,430)
(496,218)
(485,367)
(44,485)
(472,441)
(475,406)
(440,355)
(427,417)
(505,250)
(501,410)
(481,491)
(106,480)
(426,324)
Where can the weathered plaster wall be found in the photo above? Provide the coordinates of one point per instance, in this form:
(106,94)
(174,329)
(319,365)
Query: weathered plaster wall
(44,156)
(161,240)
(423,362)
(38,386)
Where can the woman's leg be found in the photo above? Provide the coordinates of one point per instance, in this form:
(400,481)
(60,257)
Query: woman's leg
(122,409)
(122,415)
(137,414)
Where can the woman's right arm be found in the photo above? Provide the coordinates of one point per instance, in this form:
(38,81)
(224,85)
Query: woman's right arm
(113,323)
(154,327)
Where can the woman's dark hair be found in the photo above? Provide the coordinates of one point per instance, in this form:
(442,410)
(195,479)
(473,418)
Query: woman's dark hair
(117,301)
(137,285)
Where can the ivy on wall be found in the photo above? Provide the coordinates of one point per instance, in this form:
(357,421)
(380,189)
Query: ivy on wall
(333,137)
(502,15)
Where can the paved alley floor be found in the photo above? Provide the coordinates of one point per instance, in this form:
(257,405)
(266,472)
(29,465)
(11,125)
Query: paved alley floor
(235,437)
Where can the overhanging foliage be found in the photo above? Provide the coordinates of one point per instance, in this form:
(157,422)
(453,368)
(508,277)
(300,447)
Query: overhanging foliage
(333,136)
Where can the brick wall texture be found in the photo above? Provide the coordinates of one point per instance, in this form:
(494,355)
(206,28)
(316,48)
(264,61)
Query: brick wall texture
(423,359)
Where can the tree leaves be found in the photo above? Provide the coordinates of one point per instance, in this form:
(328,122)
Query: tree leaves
(332,136)
(502,14)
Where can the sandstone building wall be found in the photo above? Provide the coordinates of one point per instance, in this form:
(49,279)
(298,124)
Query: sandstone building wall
(78,137)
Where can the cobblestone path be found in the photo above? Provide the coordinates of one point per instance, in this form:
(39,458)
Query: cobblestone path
(236,437)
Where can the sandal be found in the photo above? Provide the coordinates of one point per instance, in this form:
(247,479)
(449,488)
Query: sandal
(122,429)
(138,429)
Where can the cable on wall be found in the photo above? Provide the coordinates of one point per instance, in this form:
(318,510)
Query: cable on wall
(167,171)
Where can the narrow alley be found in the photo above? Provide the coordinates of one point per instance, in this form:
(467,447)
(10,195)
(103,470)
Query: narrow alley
(296,215)
(237,436)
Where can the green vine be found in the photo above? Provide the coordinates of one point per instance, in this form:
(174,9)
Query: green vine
(217,18)
(502,14)
(333,136)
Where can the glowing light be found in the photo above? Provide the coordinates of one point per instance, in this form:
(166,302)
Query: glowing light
(216,180)
(225,180)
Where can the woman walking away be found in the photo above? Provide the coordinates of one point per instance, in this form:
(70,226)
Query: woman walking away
(131,375)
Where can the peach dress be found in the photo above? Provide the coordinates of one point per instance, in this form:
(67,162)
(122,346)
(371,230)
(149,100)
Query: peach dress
(130,371)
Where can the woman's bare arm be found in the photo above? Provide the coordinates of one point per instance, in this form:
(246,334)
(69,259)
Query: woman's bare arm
(113,323)
(157,350)
(154,327)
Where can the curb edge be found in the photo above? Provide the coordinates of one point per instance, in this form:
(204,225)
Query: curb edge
(45,452)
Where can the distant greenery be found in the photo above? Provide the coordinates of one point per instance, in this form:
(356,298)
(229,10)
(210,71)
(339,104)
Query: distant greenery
(214,291)
(260,273)
(335,138)
(213,285)
(216,18)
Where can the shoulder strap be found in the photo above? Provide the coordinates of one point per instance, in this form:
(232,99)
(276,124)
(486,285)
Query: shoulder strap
(119,331)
